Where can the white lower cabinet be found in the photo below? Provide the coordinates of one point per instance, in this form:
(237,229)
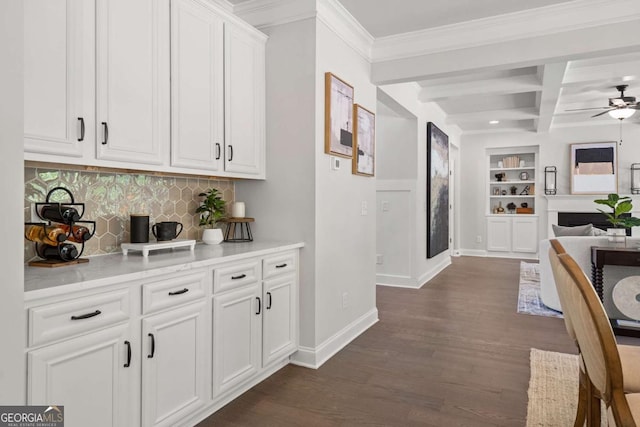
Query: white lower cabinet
(163,351)
(236,337)
(173,366)
(91,376)
(512,234)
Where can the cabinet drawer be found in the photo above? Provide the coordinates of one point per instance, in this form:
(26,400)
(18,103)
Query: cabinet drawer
(171,292)
(68,318)
(279,264)
(230,276)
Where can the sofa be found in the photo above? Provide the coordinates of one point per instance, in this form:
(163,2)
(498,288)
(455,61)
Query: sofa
(579,247)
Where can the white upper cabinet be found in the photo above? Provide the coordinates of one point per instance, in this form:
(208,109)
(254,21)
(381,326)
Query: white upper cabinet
(132,80)
(197,86)
(244,101)
(58,77)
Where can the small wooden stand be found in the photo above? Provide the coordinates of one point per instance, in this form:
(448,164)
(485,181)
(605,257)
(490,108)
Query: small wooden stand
(241,233)
(52,263)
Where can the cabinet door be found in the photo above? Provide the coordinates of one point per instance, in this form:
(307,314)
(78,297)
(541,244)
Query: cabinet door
(236,337)
(173,366)
(244,102)
(58,76)
(88,376)
(132,80)
(280,335)
(525,234)
(499,234)
(197,85)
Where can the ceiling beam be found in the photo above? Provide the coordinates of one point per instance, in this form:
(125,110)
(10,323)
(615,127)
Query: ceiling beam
(486,116)
(552,76)
(600,72)
(492,86)
(608,39)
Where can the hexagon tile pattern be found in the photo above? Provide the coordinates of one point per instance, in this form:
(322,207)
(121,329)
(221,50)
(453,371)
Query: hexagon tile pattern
(110,198)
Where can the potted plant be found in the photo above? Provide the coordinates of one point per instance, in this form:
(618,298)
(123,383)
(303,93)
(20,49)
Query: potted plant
(618,205)
(212,210)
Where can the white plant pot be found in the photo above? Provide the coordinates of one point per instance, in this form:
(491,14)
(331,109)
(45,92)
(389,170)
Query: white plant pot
(617,235)
(212,236)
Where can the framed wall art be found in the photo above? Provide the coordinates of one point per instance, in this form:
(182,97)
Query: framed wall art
(338,116)
(364,137)
(437,191)
(594,168)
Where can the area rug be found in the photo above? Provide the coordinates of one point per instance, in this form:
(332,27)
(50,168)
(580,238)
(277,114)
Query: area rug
(553,389)
(529,301)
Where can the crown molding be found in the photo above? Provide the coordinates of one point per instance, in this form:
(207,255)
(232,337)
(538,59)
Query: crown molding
(335,16)
(268,13)
(574,15)
(224,4)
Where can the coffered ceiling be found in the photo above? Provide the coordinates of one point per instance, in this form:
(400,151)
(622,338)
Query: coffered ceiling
(522,63)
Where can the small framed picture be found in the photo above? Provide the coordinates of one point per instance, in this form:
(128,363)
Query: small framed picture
(524,176)
(364,141)
(338,117)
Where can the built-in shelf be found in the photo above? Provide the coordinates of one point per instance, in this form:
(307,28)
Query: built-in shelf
(511,196)
(529,168)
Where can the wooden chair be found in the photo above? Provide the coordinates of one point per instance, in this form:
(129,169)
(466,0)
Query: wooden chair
(597,344)
(589,399)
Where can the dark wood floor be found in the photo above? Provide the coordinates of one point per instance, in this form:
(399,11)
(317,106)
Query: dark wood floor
(454,353)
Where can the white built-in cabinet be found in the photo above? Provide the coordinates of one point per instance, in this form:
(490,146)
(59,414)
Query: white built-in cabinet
(164,351)
(162,85)
(511,219)
(132,80)
(59,112)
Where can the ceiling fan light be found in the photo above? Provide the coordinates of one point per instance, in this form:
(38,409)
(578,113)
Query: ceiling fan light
(622,113)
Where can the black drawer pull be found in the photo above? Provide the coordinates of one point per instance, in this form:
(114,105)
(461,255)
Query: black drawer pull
(217,151)
(106,133)
(281,265)
(230,152)
(242,276)
(81,128)
(128,344)
(183,291)
(269,306)
(86,316)
(259,305)
(153,346)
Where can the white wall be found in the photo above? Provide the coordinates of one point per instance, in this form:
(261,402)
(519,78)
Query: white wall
(553,151)
(396,147)
(284,205)
(12,320)
(406,98)
(345,257)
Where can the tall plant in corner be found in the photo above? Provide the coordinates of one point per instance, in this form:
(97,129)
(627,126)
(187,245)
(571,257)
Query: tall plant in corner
(212,210)
(619,205)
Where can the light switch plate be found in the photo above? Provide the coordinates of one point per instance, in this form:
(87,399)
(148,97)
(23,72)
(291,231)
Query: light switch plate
(335,163)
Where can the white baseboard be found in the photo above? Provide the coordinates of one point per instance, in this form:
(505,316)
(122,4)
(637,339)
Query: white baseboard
(396,281)
(422,280)
(473,252)
(314,357)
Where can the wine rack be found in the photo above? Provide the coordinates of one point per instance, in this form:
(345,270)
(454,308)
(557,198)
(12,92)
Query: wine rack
(61,236)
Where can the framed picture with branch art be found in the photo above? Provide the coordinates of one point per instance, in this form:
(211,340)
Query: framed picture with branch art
(338,117)
(364,141)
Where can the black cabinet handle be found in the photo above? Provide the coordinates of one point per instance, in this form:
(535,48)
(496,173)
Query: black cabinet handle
(81,128)
(86,316)
(128,344)
(259,305)
(183,291)
(230,152)
(242,276)
(269,306)
(105,126)
(281,265)
(217,151)
(153,346)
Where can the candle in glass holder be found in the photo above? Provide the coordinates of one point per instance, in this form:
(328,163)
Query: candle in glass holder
(237,210)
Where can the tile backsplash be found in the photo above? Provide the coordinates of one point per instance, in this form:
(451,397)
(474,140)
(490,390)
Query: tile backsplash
(110,197)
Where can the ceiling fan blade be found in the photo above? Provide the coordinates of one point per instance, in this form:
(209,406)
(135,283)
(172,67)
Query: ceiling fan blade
(586,109)
(604,112)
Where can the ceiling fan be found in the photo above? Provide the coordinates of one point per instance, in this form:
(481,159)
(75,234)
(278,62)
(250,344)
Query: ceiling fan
(620,108)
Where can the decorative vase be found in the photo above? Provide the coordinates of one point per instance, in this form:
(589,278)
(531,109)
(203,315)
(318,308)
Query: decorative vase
(617,236)
(212,236)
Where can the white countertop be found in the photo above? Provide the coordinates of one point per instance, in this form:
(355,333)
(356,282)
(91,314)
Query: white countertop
(40,282)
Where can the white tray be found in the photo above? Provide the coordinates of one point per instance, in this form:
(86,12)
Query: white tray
(152,246)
